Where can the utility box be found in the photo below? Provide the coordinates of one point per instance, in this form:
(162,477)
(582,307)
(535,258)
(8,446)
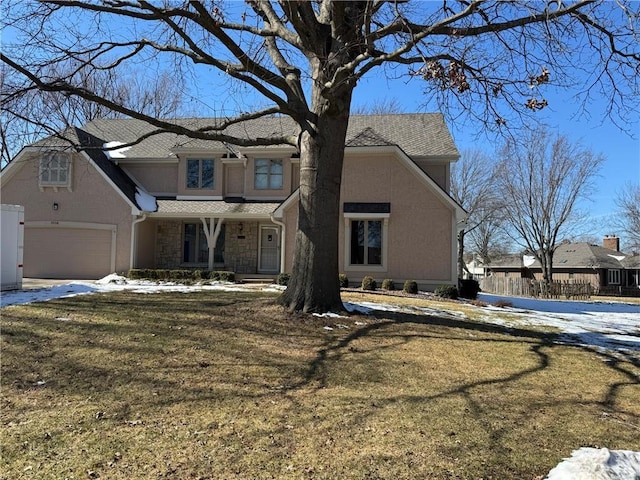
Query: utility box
(12,251)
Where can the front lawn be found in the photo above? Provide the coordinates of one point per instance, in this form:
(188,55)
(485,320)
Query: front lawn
(217,385)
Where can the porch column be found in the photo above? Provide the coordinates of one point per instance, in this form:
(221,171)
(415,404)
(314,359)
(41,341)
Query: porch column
(211,231)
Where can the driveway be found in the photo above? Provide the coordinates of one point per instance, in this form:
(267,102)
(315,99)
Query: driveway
(33,283)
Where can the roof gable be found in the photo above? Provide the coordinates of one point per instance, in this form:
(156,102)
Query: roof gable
(404,159)
(90,147)
(367,138)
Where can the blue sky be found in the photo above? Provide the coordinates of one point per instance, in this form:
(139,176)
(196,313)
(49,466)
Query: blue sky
(621,149)
(563,115)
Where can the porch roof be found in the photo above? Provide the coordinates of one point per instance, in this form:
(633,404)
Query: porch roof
(215,208)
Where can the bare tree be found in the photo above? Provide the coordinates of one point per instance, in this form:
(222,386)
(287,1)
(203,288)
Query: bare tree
(541,177)
(473,187)
(487,58)
(628,217)
(30,114)
(378,107)
(490,239)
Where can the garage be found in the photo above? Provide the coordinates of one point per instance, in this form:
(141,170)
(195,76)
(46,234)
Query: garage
(69,250)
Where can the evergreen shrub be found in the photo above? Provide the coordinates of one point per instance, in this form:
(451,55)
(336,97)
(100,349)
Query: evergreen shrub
(410,286)
(387,284)
(468,288)
(368,283)
(447,291)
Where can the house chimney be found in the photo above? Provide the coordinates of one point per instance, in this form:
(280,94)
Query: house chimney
(611,242)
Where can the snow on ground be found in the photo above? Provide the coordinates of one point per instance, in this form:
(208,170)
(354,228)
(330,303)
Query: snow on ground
(598,464)
(608,325)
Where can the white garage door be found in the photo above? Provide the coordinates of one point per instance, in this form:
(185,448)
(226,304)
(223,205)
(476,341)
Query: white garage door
(67,252)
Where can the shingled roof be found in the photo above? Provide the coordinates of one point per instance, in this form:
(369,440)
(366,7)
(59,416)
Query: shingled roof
(572,255)
(417,134)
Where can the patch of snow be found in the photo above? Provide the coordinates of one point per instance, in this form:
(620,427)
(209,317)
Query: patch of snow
(607,325)
(146,201)
(113,152)
(112,278)
(598,464)
(329,315)
(611,326)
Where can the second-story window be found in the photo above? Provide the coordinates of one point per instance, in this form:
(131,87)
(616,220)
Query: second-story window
(55,169)
(268,174)
(200,173)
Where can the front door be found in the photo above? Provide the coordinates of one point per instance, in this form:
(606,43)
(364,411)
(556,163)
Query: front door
(269,261)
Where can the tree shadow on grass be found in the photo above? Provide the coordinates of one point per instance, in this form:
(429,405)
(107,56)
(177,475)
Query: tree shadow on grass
(335,349)
(485,413)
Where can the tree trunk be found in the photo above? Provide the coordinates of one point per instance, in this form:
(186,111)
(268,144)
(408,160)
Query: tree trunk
(546,260)
(314,284)
(461,265)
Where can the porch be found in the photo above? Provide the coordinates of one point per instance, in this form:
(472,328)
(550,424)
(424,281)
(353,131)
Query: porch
(250,248)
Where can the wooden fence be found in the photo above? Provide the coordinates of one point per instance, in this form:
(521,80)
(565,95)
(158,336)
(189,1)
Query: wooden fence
(526,287)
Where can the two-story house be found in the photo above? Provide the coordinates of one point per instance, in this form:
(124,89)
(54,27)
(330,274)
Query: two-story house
(174,202)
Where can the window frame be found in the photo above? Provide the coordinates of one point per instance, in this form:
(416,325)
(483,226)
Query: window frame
(384,237)
(201,239)
(45,165)
(270,175)
(613,276)
(200,161)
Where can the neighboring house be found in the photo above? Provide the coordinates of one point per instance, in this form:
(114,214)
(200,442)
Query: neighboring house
(173,202)
(475,269)
(605,267)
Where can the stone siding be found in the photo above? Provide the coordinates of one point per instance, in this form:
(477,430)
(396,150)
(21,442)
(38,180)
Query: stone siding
(241,246)
(169,244)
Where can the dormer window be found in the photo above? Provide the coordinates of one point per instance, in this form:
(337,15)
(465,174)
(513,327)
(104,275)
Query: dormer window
(268,174)
(55,169)
(200,173)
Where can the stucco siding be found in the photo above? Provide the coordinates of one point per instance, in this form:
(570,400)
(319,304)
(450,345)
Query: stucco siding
(234,180)
(146,244)
(155,178)
(419,225)
(290,219)
(91,201)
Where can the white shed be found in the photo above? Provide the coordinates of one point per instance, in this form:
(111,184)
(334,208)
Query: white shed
(12,235)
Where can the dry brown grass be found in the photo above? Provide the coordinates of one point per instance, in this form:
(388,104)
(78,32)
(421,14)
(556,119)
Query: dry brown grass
(228,385)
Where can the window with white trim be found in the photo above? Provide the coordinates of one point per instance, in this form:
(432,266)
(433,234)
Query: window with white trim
(366,242)
(614,276)
(55,169)
(200,173)
(268,174)
(366,236)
